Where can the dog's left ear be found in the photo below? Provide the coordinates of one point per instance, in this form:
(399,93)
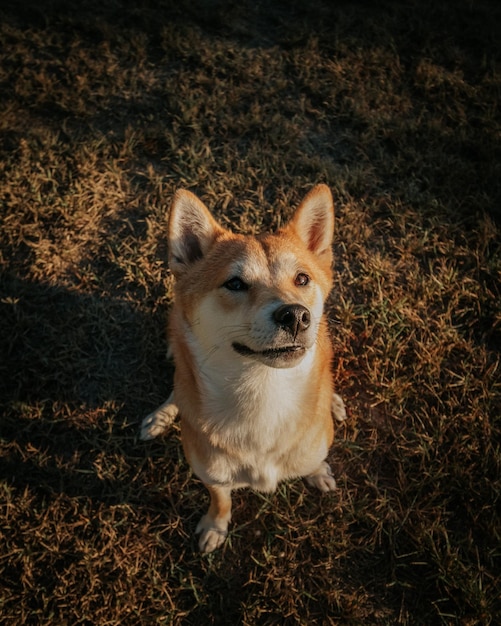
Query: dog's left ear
(314,221)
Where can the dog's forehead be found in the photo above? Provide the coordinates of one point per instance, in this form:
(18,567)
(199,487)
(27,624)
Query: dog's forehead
(264,259)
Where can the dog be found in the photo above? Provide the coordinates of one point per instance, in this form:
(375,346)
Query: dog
(252,353)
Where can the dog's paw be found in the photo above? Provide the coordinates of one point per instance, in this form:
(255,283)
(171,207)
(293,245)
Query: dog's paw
(212,534)
(158,422)
(337,407)
(322,479)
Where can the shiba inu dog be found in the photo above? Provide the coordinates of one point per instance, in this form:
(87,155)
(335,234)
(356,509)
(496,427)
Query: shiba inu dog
(252,353)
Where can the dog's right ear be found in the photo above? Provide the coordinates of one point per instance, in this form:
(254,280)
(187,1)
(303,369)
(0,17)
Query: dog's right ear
(192,230)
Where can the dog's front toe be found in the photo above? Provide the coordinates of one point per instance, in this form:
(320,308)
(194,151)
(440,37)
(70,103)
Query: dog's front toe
(212,534)
(322,479)
(156,423)
(211,540)
(338,408)
(150,428)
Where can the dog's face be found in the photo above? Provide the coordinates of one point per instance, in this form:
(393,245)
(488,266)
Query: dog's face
(255,298)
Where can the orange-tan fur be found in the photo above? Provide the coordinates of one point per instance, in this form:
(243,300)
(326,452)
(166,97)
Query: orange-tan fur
(252,353)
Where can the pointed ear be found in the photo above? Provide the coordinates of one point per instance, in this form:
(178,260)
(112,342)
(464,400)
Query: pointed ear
(192,230)
(314,221)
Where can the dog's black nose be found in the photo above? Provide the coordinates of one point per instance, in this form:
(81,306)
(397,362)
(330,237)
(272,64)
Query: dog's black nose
(292,317)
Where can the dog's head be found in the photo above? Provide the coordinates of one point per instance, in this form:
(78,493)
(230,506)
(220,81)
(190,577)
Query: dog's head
(258,298)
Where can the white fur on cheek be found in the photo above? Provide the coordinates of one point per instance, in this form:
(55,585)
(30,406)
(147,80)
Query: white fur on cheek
(216,329)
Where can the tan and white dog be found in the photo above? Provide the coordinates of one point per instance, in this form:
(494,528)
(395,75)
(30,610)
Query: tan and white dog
(252,353)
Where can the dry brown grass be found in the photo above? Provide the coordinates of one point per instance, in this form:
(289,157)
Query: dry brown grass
(105,109)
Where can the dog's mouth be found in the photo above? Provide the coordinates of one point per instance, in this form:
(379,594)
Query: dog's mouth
(282,354)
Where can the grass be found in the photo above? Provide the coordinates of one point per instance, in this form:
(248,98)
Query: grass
(106,108)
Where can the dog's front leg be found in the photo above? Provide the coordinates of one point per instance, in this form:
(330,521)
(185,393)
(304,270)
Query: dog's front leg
(213,527)
(156,423)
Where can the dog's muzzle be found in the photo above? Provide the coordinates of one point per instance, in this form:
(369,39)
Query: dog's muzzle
(291,321)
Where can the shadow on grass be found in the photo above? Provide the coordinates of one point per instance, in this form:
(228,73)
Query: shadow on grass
(418,114)
(77,374)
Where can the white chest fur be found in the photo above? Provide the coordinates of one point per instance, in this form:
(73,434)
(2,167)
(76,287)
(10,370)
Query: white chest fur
(250,413)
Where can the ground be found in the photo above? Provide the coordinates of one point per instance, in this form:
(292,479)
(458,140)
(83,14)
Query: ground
(105,109)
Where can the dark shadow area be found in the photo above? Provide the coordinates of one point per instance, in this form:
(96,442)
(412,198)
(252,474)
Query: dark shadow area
(77,374)
(77,348)
(447,117)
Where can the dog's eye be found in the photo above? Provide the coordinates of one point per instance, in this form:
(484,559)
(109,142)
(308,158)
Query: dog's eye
(301,280)
(236,284)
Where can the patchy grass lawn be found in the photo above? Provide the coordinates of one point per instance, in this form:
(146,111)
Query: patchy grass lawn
(105,109)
